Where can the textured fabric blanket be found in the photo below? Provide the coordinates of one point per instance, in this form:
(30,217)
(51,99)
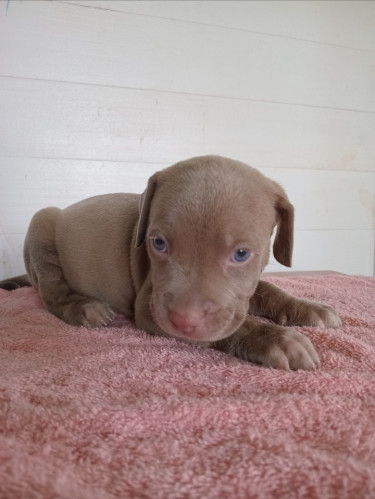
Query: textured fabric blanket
(115,413)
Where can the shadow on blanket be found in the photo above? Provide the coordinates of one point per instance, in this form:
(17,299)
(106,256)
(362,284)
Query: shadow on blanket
(114,412)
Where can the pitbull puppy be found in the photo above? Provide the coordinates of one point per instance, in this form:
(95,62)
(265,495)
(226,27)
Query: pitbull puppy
(182,260)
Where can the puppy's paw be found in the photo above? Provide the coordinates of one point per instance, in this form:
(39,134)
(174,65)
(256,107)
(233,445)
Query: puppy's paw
(96,314)
(298,312)
(90,314)
(280,348)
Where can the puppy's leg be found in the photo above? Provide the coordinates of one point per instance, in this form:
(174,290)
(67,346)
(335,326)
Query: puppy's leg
(270,345)
(272,302)
(47,276)
(71,307)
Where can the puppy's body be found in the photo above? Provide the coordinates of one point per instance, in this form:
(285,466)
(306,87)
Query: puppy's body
(94,239)
(183,260)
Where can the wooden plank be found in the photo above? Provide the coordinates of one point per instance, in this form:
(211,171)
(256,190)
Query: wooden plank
(346,251)
(328,22)
(302,273)
(323,199)
(29,184)
(88,122)
(58,120)
(326,199)
(167,55)
(11,255)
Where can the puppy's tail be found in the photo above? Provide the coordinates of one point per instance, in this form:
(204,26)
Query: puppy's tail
(15,282)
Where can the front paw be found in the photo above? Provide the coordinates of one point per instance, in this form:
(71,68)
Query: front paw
(297,312)
(272,346)
(283,348)
(87,313)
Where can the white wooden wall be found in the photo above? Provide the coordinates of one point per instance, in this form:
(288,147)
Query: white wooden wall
(97,95)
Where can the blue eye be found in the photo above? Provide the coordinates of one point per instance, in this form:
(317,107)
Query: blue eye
(240,255)
(159,244)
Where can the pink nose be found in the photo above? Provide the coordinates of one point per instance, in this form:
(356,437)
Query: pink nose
(185,323)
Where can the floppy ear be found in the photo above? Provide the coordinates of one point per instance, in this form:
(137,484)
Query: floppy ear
(283,243)
(144,209)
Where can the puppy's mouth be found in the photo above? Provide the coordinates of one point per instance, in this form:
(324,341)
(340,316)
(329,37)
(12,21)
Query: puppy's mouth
(196,326)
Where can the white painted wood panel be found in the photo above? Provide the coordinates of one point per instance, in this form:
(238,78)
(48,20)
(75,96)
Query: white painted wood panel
(346,251)
(120,49)
(62,120)
(326,199)
(11,255)
(29,184)
(93,99)
(323,199)
(329,22)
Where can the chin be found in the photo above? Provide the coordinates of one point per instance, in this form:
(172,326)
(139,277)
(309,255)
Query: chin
(198,337)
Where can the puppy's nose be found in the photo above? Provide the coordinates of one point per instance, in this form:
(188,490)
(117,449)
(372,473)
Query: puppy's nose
(186,323)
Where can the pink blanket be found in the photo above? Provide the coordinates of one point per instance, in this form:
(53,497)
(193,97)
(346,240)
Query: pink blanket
(115,413)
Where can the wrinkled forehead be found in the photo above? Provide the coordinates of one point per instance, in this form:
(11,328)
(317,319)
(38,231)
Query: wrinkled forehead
(233,203)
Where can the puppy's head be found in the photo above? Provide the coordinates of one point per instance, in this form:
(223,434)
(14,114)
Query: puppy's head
(207,223)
